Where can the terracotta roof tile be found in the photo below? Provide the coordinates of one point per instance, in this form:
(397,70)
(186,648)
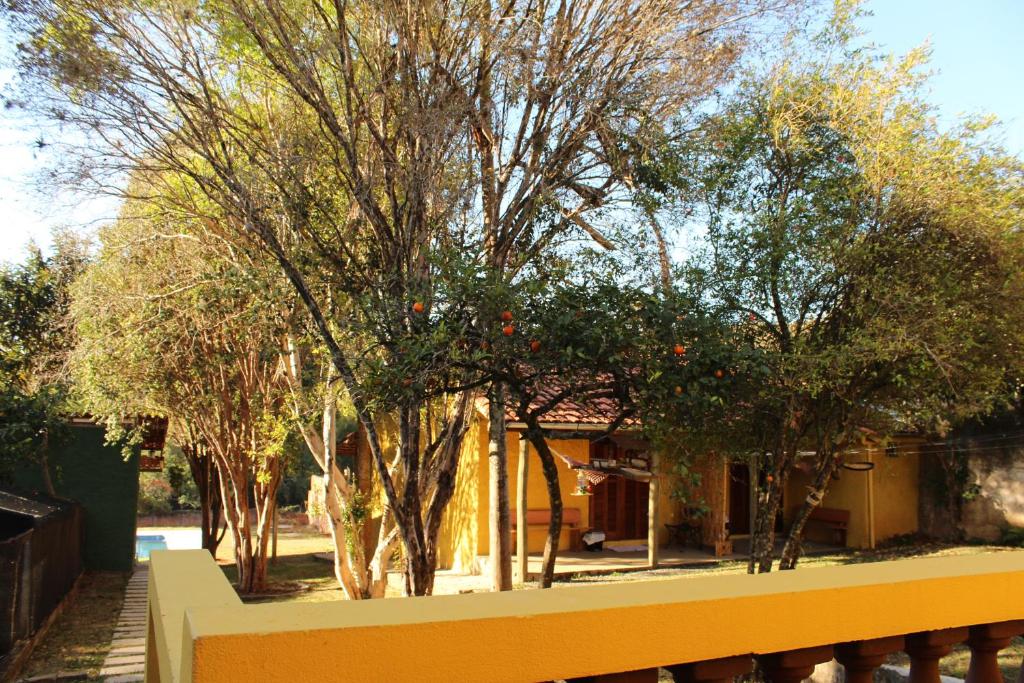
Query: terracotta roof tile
(595,411)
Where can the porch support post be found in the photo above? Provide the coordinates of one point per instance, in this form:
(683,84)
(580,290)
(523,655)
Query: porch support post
(653,509)
(522,560)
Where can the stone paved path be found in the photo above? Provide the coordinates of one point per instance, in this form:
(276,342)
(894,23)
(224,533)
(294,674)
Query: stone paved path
(126,661)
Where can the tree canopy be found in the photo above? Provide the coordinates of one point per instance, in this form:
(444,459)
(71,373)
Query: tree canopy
(35,340)
(871,259)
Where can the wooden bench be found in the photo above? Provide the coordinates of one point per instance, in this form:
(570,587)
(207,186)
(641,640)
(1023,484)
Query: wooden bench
(572,520)
(833,519)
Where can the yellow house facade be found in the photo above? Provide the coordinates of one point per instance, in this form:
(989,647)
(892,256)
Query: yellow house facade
(883,501)
(465,532)
(879,497)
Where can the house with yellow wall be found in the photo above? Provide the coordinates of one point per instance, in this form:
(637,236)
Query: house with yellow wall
(617,468)
(614,483)
(878,485)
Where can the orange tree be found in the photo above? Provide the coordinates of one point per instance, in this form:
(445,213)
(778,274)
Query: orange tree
(350,139)
(872,260)
(585,331)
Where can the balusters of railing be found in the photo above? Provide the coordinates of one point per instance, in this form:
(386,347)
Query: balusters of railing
(861,658)
(926,649)
(793,666)
(985,642)
(713,670)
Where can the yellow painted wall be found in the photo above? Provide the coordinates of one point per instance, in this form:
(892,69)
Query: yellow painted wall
(457,538)
(670,509)
(465,532)
(199,630)
(896,491)
(849,492)
(537,490)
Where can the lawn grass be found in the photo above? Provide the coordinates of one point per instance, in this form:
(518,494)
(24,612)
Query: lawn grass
(297,574)
(79,639)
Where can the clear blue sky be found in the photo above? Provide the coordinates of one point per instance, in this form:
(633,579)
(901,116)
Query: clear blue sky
(978,54)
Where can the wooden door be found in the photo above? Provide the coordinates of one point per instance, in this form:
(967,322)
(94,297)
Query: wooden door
(739,498)
(619,508)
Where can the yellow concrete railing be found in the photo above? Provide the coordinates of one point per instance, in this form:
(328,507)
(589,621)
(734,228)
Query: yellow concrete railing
(200,631)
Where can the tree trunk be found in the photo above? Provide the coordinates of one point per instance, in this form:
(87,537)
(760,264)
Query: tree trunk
(387,541)
(210,502)
(823,477)
(762,541)
(207,481)
(500,561)
(44,465)
(250,554)
(550,469)
(419,572)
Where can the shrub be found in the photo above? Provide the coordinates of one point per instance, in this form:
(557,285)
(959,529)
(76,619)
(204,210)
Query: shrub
(154,495)
(1014,536)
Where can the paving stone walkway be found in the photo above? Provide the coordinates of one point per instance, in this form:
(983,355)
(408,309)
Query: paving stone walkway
(126,661)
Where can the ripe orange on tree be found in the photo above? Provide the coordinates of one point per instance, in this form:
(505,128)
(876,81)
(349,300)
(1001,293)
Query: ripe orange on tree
(679,349)
(508,330)
(719,374)
(506,316)
(534,345)
(417,307)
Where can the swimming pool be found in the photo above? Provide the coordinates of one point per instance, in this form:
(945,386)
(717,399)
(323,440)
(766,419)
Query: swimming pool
(148,539)
(146,543)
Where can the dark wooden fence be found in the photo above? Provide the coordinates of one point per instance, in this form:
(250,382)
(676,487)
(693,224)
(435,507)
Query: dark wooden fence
(40,560)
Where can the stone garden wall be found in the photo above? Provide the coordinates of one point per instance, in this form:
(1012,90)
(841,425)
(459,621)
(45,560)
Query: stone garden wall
(998,496)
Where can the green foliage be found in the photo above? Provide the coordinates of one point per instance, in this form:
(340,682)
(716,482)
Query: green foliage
(299,467)
(155,494)
(34,343)
(871,261)
(1013,536)
(184,494)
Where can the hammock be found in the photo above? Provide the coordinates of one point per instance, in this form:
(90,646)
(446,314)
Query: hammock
(594,476)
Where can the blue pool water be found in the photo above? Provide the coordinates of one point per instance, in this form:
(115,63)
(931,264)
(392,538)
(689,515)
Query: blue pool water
(144,544)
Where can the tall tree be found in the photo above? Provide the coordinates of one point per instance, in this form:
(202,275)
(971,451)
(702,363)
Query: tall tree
(35,340)
(206,477)
(167,325)
(555,87)
(871,259)
(357,142)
